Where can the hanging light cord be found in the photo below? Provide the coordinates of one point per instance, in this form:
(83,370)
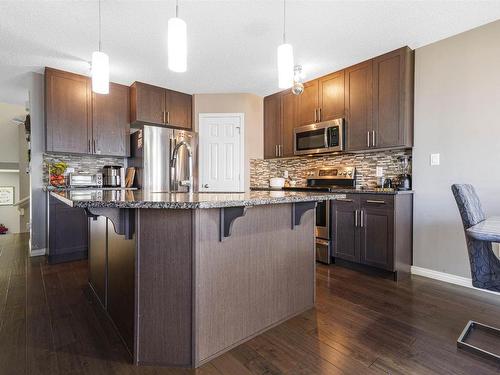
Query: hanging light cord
(99,25)
(284,21)
(177,9)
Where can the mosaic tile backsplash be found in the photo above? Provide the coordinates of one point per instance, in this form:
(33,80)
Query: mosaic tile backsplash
(300,167)
(81,163)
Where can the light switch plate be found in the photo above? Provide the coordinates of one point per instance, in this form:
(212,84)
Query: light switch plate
(435,159)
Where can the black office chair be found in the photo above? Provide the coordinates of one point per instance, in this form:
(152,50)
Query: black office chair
(484,264)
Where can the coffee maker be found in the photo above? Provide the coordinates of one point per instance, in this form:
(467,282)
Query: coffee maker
(404,172)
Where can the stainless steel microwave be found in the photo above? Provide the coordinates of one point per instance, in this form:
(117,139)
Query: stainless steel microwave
(325,136)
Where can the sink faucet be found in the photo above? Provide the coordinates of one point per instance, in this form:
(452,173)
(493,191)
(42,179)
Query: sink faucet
(173,167)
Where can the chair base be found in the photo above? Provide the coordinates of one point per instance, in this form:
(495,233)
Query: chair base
(472,325)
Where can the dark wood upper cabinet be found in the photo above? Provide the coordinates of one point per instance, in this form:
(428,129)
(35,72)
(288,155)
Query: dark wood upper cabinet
(331,96)
(393,99)
(154,105)
(147,104)
(178,107)
(358,103)
(308,104)
(272,125)
(67,112)
(111,122)
(80,122)
(289,103)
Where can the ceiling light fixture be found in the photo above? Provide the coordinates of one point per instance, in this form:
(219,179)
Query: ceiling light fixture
(285,58)
(100,66)
(177,43)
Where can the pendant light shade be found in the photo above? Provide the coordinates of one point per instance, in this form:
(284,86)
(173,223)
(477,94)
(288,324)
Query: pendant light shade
(285,66)
(285,58)
(100,72)
(177,45)
(100,66)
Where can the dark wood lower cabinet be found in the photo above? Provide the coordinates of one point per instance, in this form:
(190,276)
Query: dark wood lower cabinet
(374,230)
(68,232)
(112,273)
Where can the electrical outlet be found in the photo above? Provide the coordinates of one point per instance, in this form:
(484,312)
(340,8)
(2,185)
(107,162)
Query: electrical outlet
(70,170)
(379,172)
(435,159)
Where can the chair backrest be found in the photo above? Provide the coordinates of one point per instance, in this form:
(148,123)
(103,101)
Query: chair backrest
(469,204)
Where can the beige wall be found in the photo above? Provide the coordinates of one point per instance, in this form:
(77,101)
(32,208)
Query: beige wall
(249,104)
(457,114)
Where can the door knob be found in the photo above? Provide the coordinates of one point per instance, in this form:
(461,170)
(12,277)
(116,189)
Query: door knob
(205,186)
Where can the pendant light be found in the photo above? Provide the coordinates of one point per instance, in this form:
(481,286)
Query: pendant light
(285,58)
(100,66)
(177,43)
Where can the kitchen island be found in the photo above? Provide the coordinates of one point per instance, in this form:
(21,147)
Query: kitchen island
(186,277)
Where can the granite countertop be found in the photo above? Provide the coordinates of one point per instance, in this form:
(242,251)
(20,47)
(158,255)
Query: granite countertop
(340,190)
(99,198)
(68,188)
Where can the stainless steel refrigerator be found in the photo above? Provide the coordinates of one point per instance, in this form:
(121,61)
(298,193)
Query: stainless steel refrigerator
(151,152)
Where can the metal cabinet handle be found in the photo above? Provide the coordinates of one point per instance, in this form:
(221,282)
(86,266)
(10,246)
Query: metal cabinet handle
(356,218)
(375,201)
(315,115)
(343,199)
(89,146)
(276,150)
(164,117)
(362,218)
(319,114)
(373,138)
(280,150)
(168,117)
(368,138)
(93,144)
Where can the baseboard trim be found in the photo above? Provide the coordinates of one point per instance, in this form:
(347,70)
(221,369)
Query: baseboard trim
(37,252)
(447,278)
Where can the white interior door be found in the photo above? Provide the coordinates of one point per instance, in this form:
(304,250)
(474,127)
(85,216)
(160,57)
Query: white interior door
(221,157)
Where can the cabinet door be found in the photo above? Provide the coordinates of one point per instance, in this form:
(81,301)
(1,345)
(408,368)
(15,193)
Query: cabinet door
(68,232)
(331,96)
(377,232)
(289,122)
(147,104)
(98,257)
(390,107)
(111,122)
(272,125)
(178,107)
(344,229)
(121,284)
(358,102)
(309,103)
(67,112)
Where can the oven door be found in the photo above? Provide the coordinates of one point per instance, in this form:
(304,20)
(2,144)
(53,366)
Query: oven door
(323,220)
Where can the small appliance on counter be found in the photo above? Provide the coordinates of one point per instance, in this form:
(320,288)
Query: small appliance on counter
(405,173)
(112,175)
(84,180)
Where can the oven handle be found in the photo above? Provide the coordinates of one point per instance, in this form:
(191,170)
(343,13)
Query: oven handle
(322,242)
(326,138)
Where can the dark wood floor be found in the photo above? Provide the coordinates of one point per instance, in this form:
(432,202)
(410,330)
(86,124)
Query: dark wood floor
(361,325)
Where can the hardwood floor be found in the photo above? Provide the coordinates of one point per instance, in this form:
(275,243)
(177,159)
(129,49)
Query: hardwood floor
(362,324)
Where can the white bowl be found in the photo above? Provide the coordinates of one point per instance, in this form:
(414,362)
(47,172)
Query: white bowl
(277,182)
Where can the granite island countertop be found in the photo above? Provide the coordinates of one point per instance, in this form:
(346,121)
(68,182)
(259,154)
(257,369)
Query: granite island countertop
(98,198)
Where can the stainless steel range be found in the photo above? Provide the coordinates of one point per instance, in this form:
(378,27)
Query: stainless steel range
(328,180)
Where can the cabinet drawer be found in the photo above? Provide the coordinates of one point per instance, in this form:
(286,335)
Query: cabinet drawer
(377,200)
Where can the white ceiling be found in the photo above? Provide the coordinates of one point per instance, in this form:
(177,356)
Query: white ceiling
(232,44)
